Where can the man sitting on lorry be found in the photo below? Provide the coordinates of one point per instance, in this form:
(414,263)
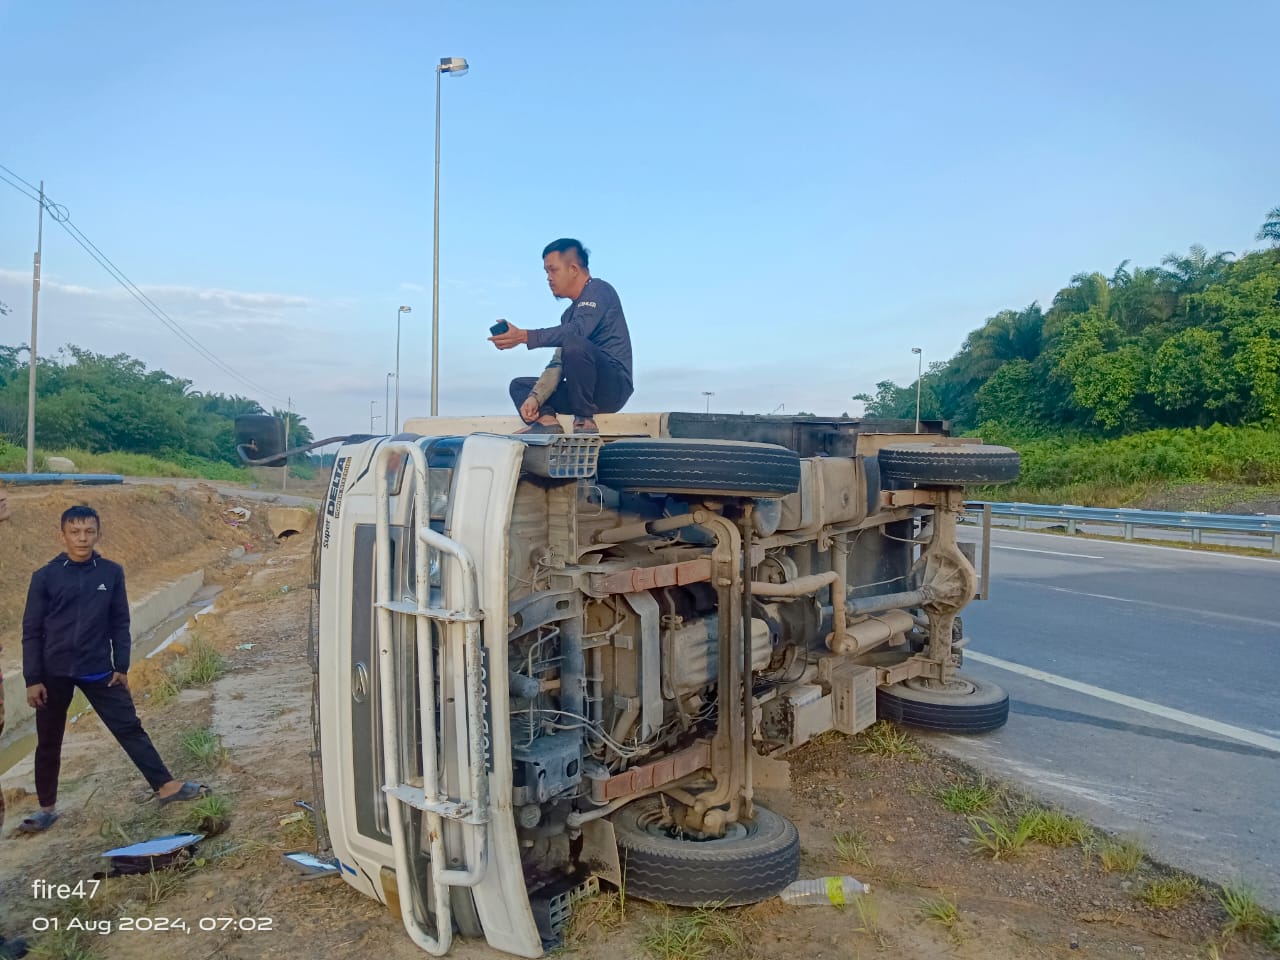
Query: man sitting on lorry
(590,371)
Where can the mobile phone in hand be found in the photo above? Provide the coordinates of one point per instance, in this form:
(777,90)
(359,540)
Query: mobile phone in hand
(499,327)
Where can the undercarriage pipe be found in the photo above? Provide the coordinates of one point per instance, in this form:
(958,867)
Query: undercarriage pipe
(805,586)
(645,528)
(887,601)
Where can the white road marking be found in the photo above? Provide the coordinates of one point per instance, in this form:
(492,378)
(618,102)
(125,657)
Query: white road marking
(1164,607)
(1052,553)
(1082,593)
(1133,703)
(1109,542)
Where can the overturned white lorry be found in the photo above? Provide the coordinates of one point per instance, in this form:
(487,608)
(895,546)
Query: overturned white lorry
(544,661)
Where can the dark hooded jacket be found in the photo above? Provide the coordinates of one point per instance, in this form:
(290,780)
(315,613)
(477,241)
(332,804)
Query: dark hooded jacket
(77,620)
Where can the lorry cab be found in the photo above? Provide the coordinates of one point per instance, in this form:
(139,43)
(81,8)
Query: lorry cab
(549,661)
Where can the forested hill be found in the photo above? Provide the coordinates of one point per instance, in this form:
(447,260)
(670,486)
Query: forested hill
(1192,342)
(92,402)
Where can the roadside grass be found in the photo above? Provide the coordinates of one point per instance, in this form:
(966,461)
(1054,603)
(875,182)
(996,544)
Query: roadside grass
(65,944)
(851,847)
(1054,828)
(302,831)
(883,739)
(1116,854)
(202,665)
(209,815)
(597,917)
(940,910)
(162,689)
(62,945)
(869,916)
(1169,892)
(13,458)
(968,798)
(204,747)
(1245,915)
(706,932)
(998,838)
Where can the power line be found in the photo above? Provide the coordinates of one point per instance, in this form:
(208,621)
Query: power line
(60,216)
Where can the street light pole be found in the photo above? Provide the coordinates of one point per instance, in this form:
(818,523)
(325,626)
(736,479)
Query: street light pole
(456,66)
(708,394)
(284,482)
(386,404)
(399,313)
(372,404)
(35,313)
(919,372)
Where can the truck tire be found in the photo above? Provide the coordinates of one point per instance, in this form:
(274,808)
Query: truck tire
(948,464)
(752,862)
(728,468)
(966,705)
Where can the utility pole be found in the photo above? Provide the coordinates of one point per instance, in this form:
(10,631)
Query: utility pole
(919,379)
(35,315)
(371,417)
(284,485)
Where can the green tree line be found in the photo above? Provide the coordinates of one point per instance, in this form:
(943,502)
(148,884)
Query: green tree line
(1190,343)
(90,401)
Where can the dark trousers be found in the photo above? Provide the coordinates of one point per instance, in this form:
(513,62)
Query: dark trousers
(590,383)
(115,707)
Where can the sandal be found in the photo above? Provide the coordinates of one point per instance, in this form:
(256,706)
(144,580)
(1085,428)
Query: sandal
(38,822)
(188,791)
(536,427)
(585,425)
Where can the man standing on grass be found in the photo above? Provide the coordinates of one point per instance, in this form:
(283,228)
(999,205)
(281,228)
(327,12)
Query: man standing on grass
(75,633)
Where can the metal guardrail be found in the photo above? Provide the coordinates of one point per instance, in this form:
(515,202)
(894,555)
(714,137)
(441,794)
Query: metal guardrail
(41,479)
(1266,525)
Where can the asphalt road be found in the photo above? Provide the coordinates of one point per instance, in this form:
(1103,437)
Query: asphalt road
(1158,711)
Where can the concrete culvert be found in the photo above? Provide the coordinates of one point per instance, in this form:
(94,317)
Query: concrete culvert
(288,521)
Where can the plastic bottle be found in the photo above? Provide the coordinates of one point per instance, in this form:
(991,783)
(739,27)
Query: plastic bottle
(836,891)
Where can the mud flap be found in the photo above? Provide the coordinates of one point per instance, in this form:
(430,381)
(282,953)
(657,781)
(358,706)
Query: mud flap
(600,851)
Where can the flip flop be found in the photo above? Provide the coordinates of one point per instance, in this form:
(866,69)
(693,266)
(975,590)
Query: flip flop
(188,791)
(542,428)
(38,822)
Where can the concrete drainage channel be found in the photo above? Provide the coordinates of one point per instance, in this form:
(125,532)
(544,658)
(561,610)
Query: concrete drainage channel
(158,619)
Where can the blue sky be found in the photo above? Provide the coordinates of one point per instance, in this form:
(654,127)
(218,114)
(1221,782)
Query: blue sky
(788,197)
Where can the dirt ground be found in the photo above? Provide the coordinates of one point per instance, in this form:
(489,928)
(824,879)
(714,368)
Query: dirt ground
(884,812)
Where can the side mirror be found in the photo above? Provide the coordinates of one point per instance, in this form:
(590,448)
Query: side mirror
(260,437)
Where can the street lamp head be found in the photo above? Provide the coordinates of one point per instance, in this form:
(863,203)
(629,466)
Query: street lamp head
(406,309)
(913,349)
(455,65)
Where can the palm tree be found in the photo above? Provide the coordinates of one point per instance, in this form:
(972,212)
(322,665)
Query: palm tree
(1271,228)
(1197,269)
(299,433)
(1087,290)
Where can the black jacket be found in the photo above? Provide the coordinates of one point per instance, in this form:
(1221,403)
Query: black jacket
(77,620)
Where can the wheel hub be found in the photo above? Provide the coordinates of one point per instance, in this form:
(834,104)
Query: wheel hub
(955,687)
(654,824)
